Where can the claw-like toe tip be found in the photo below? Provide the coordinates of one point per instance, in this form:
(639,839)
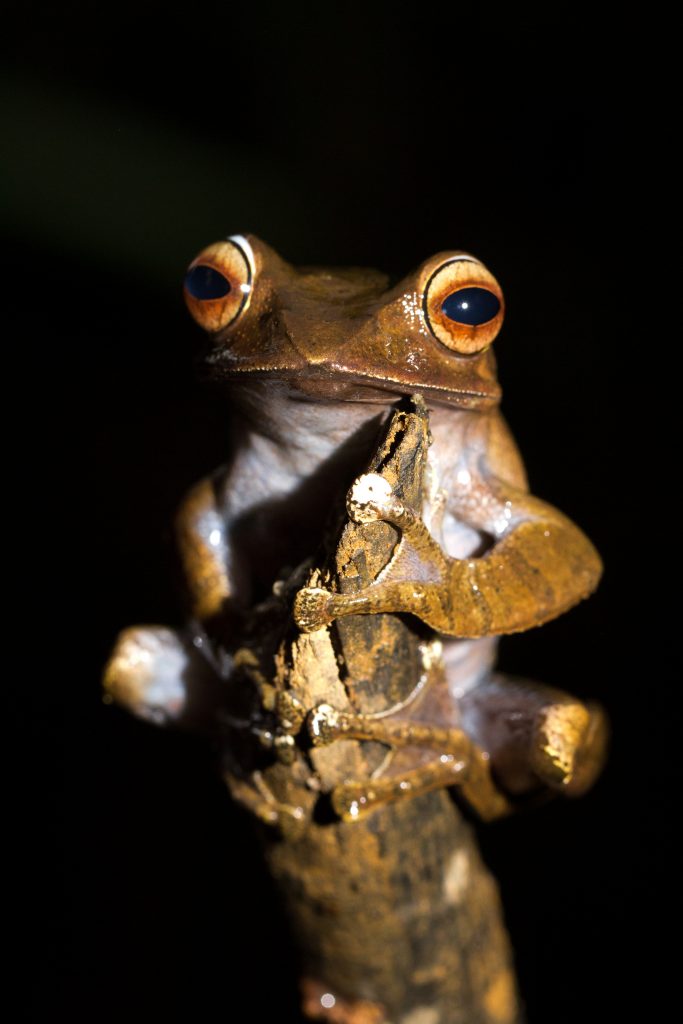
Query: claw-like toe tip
(311,607)
(322,724)
(368,498)
(570,746)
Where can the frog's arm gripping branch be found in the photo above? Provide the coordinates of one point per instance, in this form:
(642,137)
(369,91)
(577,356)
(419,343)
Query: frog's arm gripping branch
(540,565)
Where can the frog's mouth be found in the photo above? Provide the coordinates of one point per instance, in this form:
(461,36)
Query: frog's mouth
(353,367)
(485,395)
(345,385)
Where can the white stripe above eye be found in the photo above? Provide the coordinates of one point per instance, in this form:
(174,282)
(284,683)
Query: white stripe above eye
(246,249)
(466,257)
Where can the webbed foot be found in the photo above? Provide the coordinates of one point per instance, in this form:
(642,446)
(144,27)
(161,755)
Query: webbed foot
(313,609)
(569,746)
(370,498)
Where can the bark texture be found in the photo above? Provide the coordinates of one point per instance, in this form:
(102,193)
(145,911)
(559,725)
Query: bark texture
(396,917)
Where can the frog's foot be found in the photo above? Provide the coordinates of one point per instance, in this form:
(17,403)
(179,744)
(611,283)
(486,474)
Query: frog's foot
(290,712)
(161,676)
(257,797)
(313,608)
(370,498)
(569,745)
(325,725)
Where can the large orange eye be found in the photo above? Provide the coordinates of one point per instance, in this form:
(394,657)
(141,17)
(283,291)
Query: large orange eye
(218,283)
(463,305)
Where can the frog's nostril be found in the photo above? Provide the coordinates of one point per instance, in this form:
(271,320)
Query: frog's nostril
(204,282)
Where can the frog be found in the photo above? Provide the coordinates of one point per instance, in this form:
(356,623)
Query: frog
(315,359)
(347,574)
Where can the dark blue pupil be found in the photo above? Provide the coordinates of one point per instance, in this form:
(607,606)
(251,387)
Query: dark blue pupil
(471,306)
(206,283)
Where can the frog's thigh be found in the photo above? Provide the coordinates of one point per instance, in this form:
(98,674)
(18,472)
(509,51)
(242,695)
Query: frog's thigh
(535,734)
(159,675)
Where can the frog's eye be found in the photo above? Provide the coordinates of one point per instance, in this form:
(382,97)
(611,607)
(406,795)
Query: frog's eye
(218,283)
(463,305)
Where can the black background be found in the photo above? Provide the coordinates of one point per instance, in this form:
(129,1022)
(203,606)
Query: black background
(339,135)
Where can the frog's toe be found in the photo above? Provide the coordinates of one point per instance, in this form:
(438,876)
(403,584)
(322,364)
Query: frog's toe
(312,609)
(570,744)
(144,673)
(369,498)
(323,725)
(590,755)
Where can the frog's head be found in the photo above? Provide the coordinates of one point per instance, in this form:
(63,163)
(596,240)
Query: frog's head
(327,333)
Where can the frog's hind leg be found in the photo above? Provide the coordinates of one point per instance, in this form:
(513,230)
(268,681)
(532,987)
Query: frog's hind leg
(160,675)
(353,800)
(411,770)
(536,735)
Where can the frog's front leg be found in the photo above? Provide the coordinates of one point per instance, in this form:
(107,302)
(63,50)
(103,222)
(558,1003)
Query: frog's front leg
(371,499)
(461,762)
(539,567)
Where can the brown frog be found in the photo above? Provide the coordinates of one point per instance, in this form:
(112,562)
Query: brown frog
(317,362)
(315,359)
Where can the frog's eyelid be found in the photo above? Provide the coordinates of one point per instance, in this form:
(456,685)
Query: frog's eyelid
(463,257)
(241,242)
